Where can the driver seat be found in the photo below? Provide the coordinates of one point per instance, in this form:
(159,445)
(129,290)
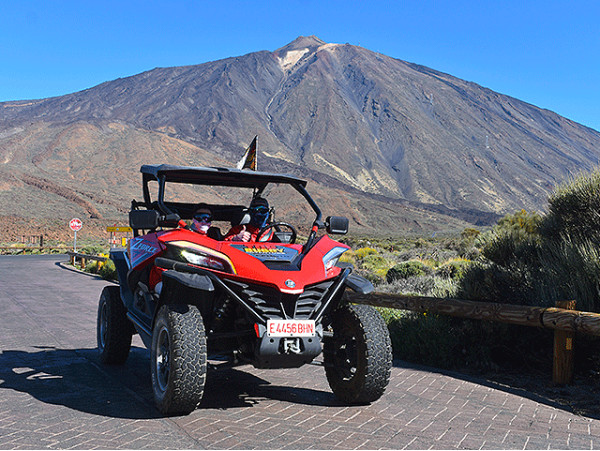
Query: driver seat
(215,233)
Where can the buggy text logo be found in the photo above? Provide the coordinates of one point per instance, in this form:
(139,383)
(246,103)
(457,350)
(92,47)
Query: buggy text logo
(263,250)
(142,246)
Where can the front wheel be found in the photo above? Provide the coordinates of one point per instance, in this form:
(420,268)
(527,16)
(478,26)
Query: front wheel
(178,359)
(358,358)
(114,329)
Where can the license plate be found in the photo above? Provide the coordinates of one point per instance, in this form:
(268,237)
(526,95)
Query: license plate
(290,328)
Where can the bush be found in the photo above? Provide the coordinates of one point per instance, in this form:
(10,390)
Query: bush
(108,270)
(536,260)
(455,343)
(348,257)
(374,262)
(364,251)
(92,249)
(407,269)
(466,247)
(522,221)
(571,270)
(422,338)
(453,269)
(93,267)
(574,210)
(420,243)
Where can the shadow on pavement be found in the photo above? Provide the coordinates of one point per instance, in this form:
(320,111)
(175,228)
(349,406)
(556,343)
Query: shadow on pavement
(76,379)
(236,388)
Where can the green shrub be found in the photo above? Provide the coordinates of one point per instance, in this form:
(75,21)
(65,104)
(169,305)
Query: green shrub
(420,243)
(108,270)
(574,210)
(373,262)
(348,257)
(455,343)
(364,251)
(407,269)
(391,314)
(374,278)
(522,221)
(466,246)
(92,249)
(93,267)
(422,338)
(453,269)
(571,270)
(534,260)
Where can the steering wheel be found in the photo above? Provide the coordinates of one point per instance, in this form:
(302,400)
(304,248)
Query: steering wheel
(276,226)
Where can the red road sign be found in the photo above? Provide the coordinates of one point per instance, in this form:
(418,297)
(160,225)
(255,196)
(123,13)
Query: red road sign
(75,224)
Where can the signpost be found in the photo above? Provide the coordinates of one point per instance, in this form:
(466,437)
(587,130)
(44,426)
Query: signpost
(113,240)
(75,224)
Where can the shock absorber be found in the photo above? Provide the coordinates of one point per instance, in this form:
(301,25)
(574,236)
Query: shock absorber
(222,314)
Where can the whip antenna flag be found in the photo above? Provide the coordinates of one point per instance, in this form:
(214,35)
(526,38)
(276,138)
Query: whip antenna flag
(248,161)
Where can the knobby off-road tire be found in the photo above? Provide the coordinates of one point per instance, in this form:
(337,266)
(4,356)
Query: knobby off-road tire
(178,359)
(113,328)
(358,359)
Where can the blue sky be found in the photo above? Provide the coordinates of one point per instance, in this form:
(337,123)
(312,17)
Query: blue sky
(543,52)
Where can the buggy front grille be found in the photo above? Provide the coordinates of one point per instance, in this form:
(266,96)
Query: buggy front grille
(273,304)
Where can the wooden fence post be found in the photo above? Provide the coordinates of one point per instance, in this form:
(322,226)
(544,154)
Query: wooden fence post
(562,370)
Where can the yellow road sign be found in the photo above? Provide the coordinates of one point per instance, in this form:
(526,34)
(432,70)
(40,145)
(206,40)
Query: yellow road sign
(119,229)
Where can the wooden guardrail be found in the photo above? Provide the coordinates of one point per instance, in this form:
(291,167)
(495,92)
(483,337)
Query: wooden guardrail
(547,317)
(563,319)
(83,258)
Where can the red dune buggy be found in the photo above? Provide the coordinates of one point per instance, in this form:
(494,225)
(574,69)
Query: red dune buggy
(272,303)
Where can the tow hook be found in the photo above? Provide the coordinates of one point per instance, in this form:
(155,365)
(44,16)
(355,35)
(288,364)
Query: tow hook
(291,345)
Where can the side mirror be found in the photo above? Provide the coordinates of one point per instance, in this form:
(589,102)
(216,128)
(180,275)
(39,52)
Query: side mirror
(337,225)
(170,220)
(143,219)
(151,219)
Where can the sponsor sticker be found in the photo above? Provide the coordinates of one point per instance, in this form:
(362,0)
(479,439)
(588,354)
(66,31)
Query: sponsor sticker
(268,253)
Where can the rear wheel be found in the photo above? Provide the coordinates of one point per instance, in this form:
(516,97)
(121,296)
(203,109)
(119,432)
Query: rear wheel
(113,331)
(178,359)
(358,358)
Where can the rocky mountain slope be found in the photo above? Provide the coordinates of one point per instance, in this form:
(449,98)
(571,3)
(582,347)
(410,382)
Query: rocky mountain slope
(408,147)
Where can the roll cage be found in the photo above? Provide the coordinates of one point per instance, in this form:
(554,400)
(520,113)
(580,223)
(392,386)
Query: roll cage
(215,176)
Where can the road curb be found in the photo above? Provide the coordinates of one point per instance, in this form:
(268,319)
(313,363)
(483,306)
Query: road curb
(69,267)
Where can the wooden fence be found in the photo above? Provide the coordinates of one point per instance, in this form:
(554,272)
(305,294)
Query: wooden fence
(83,258)
(31,243)
(564,319)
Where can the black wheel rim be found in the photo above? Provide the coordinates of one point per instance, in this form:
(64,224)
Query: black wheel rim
(162,359)
(346,356)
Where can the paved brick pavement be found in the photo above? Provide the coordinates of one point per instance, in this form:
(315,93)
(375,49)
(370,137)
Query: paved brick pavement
(55,394)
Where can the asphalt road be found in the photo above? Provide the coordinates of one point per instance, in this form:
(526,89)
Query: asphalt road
(54,393)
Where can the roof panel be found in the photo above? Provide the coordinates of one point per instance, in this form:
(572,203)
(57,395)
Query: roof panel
(217,176)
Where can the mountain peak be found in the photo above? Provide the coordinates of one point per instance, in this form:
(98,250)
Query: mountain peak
(301,43)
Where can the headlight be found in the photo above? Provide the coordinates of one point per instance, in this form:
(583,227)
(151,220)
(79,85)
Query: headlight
(331,258)
(203,256)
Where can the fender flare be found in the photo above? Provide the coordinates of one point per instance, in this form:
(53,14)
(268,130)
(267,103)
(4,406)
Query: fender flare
(196,281)
(359,284)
